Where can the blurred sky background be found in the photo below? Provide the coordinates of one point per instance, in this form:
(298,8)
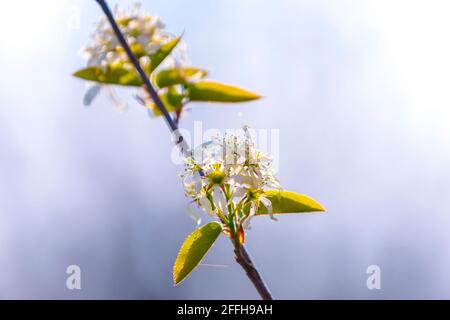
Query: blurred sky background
(360,91)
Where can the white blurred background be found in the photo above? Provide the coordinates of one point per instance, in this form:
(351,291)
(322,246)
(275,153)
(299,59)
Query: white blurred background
(360,91)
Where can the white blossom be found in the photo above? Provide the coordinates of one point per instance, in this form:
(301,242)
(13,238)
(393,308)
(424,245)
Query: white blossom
(144,33)
(229,174)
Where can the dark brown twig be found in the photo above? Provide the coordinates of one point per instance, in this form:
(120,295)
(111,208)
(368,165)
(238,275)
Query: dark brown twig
(242,256)
(178,113)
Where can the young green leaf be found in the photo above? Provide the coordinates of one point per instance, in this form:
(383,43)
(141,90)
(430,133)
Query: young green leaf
(172,100)
(121,76)
(114,75)
(289,202)
(194,248)
(218,92)
(173,76)
(162,53)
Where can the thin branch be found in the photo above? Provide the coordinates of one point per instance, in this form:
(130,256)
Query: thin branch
(180,141)
(242,256)
(178,113)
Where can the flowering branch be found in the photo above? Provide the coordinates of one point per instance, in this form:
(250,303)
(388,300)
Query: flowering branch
(242,256)
(231,180)
(181,142)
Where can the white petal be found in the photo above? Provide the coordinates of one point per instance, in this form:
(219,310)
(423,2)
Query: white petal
(206,205)
(268,204)
(239,192)
(90,94)
(197,179)
(219,199)
(194,215)
(120,105)
(252,212)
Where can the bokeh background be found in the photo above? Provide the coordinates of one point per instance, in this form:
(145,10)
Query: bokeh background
(360,91)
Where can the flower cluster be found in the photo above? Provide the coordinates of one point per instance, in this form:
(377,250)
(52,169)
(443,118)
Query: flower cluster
(144,33)
(227,178)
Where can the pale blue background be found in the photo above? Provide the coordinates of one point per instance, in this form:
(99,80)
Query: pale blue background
(358,89)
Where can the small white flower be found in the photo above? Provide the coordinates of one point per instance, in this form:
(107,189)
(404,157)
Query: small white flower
(144,33)
(228,177)
(142,30)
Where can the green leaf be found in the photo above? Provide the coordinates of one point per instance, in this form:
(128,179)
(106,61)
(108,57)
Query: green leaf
(289,202)
(172,100)
(194,248)
(124,21)
(119,75)
(174,76)
(138,50)
(218,92)
(162,53)
(113,75)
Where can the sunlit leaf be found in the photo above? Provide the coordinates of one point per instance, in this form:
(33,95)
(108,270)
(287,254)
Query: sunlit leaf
(218,92)
(162,53)
(114,75)
(194,248)
(174,76)
(124,21)
(119,75)
(290,202)
(138,50)
(172,100)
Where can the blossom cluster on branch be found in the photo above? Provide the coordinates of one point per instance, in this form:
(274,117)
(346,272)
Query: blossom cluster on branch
(229,178)
(144,33)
